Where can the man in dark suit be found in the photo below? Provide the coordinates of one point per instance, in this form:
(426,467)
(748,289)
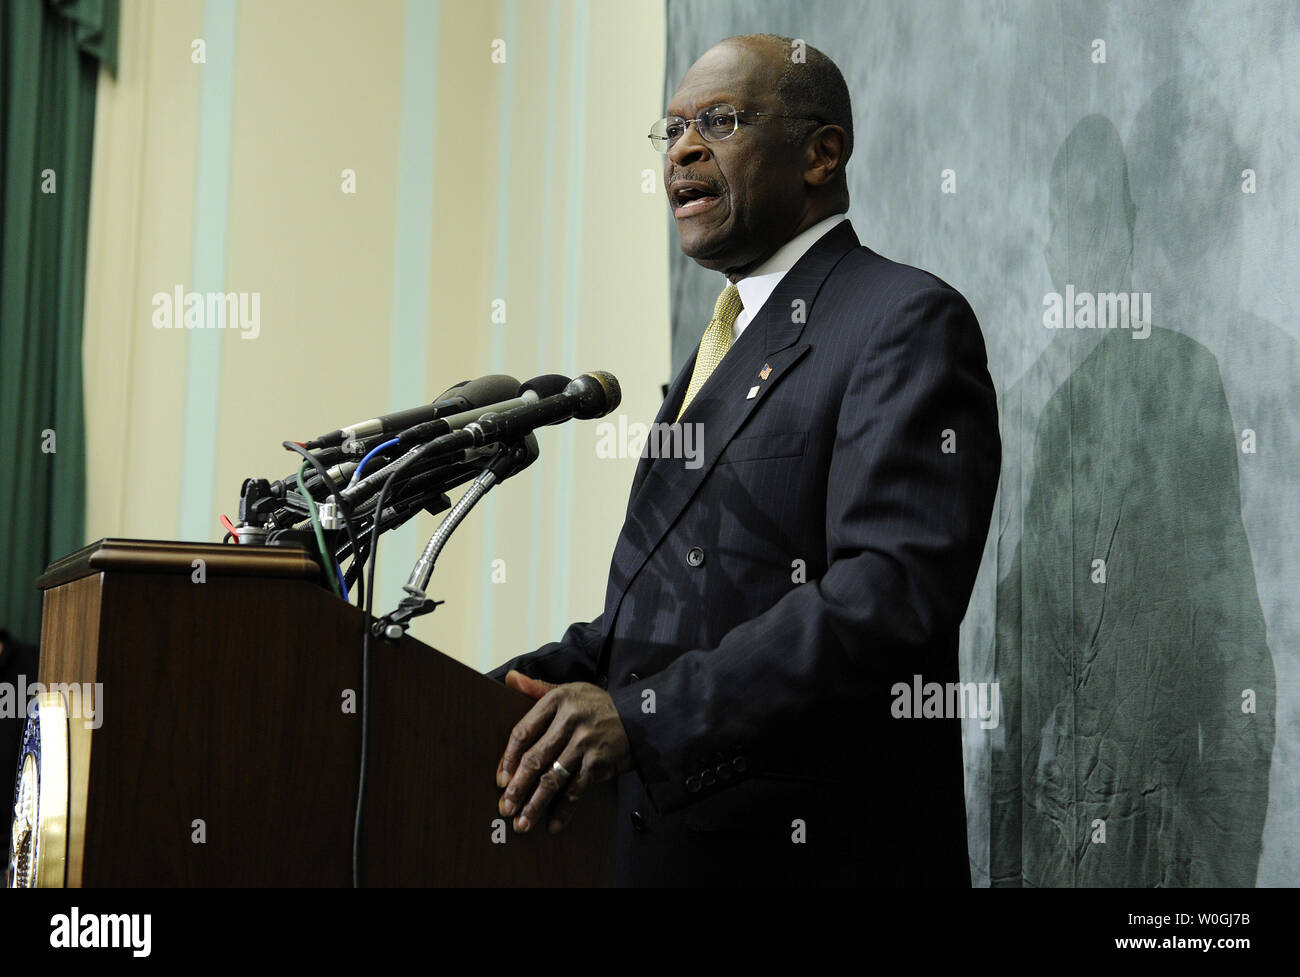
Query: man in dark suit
(764,604)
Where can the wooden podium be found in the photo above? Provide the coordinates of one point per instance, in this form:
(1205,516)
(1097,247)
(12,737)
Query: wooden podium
(223,751)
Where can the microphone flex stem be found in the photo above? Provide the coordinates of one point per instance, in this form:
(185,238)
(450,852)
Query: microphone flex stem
(423,569)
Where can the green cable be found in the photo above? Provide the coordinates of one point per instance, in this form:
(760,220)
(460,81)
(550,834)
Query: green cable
(328,565)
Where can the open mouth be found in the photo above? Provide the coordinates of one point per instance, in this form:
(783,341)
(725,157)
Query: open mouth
(690,199)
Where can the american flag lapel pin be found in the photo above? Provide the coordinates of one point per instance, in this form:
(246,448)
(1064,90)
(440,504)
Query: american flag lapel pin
(765,372)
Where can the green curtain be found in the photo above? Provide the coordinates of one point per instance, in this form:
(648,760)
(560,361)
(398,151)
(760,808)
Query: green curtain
(50,53)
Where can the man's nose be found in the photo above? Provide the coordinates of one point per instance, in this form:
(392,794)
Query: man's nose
(690,148)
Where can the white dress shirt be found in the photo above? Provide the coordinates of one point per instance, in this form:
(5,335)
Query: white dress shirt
(758,287)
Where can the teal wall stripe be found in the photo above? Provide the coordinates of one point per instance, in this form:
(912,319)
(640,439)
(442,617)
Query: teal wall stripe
(197,518)
(491,508)
(547,475)
(412,258)
(505,146)
(577,115)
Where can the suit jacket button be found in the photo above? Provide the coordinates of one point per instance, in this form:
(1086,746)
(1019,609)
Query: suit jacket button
(633,677)
(693,784)
(707,778)
(724,771)
(739,764)
(602,680)
(638,822)
(695,556)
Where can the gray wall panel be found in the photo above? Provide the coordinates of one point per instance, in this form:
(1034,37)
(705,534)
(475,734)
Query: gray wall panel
(1122,701)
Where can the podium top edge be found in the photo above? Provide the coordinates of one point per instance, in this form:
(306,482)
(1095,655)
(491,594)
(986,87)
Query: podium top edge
(169,556)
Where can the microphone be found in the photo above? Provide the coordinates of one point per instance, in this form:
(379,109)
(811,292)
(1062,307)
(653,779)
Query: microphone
(433,477)
(531,392)
(442,430)
(591,395)
(349,451)
(461,397)
(416,493)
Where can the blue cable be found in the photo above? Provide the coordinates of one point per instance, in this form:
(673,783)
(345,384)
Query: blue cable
(356,475)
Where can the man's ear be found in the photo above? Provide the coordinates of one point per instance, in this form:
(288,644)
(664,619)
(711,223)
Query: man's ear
(824,155)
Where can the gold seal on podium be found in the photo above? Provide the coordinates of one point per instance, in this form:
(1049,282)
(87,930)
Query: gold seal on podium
(39,839)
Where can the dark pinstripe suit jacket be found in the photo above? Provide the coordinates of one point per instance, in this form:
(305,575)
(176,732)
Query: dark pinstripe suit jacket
(762,605)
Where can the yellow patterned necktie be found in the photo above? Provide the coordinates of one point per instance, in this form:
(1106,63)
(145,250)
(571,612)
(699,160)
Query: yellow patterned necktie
(715,342)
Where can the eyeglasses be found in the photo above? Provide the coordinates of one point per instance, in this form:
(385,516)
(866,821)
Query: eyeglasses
(714,124)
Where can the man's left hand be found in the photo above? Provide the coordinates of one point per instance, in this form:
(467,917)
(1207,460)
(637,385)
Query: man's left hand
(575,724)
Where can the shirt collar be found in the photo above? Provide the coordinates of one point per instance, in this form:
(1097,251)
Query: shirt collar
(758,286)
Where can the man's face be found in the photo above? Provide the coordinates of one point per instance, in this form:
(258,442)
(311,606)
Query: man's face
(748,189)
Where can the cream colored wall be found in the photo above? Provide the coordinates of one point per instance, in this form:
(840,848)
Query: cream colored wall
(140,233)
(318,87)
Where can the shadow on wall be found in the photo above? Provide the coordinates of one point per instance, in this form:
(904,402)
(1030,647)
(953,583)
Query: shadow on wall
(1136,679)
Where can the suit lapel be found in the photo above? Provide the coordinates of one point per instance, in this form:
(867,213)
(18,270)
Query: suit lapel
(667,411)
(765,351)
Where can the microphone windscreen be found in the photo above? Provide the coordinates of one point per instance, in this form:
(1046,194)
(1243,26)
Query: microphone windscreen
(452,391)
(491,389)
(547,385)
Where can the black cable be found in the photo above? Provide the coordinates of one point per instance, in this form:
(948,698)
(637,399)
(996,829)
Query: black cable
(345,510)
(372,558)
(397,513)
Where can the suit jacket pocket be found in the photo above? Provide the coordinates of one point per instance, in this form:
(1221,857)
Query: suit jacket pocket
(761,447)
